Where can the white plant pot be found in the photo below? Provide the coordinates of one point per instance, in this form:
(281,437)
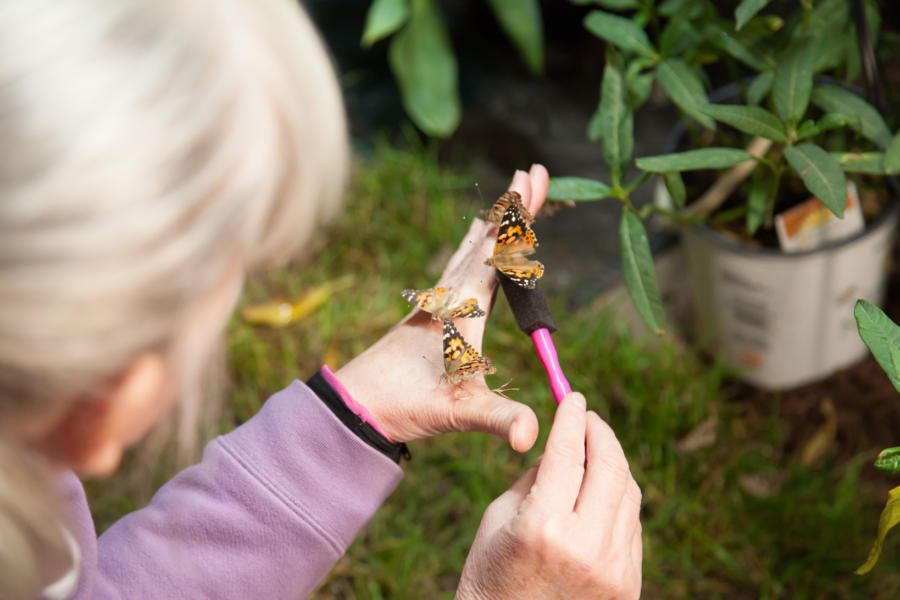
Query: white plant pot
(786,319)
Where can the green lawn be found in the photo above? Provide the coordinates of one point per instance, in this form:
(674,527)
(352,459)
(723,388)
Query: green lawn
(800,536)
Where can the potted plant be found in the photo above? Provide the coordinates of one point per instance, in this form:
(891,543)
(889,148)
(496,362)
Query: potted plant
(781,136)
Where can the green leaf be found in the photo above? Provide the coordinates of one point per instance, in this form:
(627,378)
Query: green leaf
(793,83)
(757,197)
(521,21)
(821,174)
(638,82)
(595,126)
(684,88)
(723,40)
(830,47)
(828,121)
(678,36)
(860,162)
(383,18)
(835,99)
(423,63)
(760,87)
(615,123)
(621,32)
(880,334)
(675,185)
(892,156)
(749,119)
(827,13)
(639,88)
(890,516)
(889,458)
(692,160)
(638,271)
(577,188)
(746,10)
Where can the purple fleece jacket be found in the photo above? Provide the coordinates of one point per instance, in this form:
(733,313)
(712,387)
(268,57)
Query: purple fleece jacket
(266,514)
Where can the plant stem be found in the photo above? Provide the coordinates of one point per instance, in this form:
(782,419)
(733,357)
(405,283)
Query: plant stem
(726,183)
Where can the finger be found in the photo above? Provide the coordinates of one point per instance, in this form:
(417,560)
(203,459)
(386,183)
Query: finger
(479,240)
(521,182)
(540,183)
(491,413)
(607,475)
(506,506)
(560,476)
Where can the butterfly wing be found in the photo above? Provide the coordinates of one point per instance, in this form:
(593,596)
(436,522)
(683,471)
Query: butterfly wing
(515,234)
(521,270)
(467,309)
(515,241)
(433,300)
(461,360)
(510,198)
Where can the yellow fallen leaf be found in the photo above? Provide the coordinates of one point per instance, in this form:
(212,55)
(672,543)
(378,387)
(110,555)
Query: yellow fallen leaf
(823,439)
(890,516)
(280,313)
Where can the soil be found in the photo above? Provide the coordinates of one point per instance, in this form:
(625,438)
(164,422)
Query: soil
(866,405)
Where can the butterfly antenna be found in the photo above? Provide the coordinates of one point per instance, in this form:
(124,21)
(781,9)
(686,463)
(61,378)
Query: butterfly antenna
(501,391)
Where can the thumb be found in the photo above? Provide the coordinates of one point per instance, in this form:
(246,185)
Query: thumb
(492,413)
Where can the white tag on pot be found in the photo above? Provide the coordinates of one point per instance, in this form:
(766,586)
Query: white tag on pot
(810,225)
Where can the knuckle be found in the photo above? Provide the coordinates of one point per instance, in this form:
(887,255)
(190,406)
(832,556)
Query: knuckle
(530,531)
(570,448)
(616,466)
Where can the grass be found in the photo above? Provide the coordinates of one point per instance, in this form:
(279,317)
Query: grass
(707,533)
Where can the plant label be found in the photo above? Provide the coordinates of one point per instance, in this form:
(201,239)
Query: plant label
(811,225)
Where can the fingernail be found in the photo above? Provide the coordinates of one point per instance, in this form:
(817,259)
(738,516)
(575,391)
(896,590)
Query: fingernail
(578,400)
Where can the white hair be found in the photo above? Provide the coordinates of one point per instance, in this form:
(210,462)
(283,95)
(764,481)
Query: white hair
(150,148)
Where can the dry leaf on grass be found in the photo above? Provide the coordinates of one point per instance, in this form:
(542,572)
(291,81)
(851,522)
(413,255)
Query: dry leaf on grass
(701,436)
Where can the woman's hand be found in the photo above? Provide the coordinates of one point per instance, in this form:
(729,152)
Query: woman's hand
(398,379)
(569,528)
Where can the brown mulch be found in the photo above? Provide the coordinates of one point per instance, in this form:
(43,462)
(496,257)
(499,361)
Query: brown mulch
(866,405)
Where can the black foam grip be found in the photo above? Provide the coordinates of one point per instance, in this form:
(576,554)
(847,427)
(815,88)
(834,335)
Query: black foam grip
(528,306)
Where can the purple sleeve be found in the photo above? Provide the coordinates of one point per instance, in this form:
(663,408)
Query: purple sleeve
(266,514)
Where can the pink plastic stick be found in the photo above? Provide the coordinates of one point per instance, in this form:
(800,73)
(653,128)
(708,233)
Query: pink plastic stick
(547,353)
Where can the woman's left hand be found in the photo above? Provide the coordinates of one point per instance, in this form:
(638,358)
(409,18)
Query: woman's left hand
(398,379)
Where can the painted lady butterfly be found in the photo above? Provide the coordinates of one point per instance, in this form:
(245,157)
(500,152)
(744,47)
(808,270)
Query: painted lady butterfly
(510,198)
(516,241)
(441,303)
(461,361)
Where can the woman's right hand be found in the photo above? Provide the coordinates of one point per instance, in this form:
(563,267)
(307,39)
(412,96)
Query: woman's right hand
(568,528)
